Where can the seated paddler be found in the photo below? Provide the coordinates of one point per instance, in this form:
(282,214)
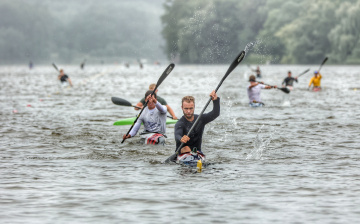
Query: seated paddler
(154,119)
(182,127)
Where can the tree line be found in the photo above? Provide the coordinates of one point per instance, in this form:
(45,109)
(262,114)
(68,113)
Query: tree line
(290,31)
(71,31)
(186,31)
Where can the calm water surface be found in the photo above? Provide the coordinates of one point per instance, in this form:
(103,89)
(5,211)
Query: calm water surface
(294,161)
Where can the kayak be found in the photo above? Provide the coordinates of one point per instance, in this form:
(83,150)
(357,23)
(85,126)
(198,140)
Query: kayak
(257,104)
(153,138)
(290,88)
(130,121)
(191,158)
(316,89)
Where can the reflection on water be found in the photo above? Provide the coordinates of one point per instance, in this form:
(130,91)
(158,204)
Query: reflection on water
(294,159)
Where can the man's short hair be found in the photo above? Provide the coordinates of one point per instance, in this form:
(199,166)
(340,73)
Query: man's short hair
(149,92)
(188,99)
(152,86)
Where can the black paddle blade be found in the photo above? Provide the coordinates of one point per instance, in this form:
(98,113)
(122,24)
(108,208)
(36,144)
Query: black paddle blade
(233,65)
(164,75)
(285,90)
(172,158)
(53,64)
(121,102)
(324,61)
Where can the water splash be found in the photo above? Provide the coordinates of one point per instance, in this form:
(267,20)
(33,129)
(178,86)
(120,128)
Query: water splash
(260,144)
(286,100)
(250,45)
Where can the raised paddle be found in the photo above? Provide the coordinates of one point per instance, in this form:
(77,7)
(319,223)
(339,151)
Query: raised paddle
(324,61)
(161,79)
(82,64)
(123,102)
(233,65)
(284,89)
(303,72)
(53,64)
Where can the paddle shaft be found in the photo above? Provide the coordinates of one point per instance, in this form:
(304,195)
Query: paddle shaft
(303,72)
(137,117)
(141,108)
(123,102)
(285,90)
(161,79)
(269,85)
(53,64)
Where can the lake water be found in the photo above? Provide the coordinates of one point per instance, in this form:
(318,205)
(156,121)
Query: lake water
(296,160)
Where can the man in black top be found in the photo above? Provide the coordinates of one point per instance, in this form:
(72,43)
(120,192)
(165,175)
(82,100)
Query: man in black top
(289,81)
(64,78)
(182,127)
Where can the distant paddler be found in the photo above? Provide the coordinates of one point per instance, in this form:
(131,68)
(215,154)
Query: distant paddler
(289,81)
(82,65)
(253,91)
(154,120)
(257,71)
(31,65)
(315,81)
(64,79)
(160,99)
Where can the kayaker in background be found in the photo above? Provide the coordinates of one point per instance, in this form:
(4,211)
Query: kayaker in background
(257,72)
(315,81)
(31,65)
(289,81)
(64,78)
(182,127)
(160,99)
(154,119)
(82,65)
(253,91)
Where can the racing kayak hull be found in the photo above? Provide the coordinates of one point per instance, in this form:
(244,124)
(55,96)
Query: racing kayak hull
(316,89)
(191,159)
(257,104)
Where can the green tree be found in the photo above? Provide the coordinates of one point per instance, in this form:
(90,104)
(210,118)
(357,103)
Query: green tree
(204,31)
(25,32)
(279,14)
(344,37)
